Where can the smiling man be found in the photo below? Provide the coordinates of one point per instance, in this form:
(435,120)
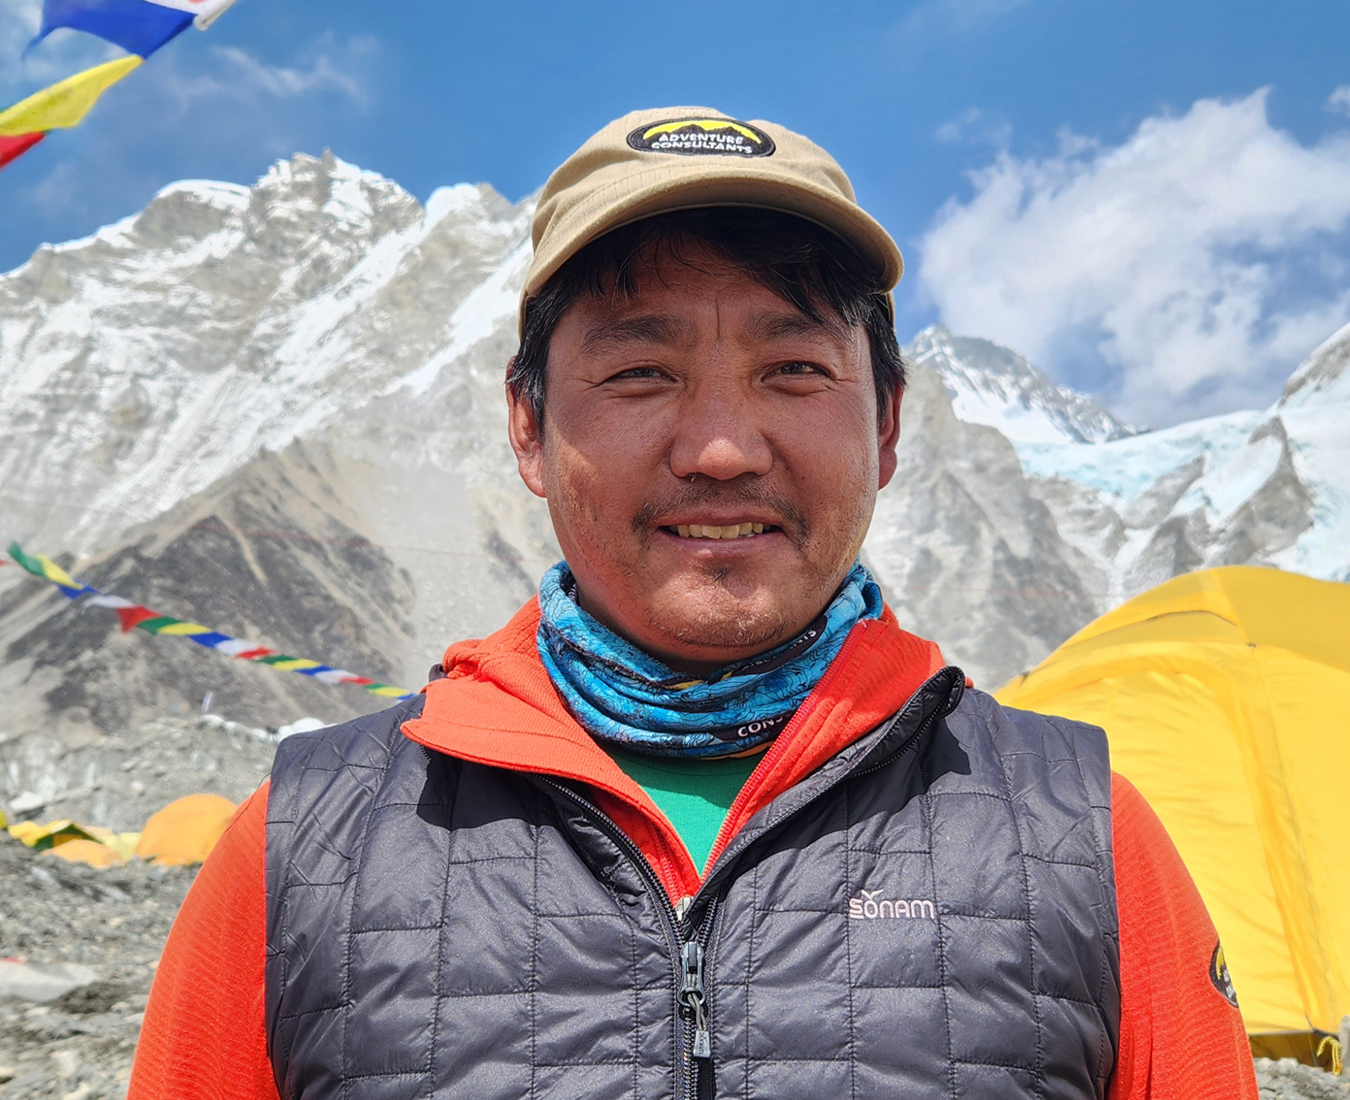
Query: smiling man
(702,820)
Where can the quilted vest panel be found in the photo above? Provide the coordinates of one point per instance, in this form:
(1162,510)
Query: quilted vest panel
(932,913)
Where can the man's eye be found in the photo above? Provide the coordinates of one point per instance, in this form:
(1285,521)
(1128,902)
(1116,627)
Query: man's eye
(801,368)
(636,373)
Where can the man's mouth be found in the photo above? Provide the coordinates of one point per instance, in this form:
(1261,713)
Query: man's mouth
(720,531)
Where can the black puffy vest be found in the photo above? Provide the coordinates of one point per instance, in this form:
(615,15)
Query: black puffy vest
(930,914)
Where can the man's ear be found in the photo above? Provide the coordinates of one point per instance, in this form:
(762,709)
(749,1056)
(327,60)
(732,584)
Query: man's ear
(888,435)
(527,439)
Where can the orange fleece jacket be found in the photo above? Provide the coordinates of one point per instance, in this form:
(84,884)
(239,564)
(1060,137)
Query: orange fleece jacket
(204,1035)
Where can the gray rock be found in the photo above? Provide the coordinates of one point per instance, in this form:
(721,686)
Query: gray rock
(36,982)
(111,922)
(1287,1079)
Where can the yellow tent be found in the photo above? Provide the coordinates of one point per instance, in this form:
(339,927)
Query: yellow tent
(1225,695)
(186,829)
(77,843)
(93,852)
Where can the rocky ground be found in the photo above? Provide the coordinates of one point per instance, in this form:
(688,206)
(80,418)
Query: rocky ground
(118,780)
(106,928)
(1287,1080)
(113,921)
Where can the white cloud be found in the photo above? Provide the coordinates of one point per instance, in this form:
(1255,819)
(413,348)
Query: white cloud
(976,126)
(1339,100)
(323,72)
(64,53)
(327,68)
(1194,265)
(955,15)
(18,23)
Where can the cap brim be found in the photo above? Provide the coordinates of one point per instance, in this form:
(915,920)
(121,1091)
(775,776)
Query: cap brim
(739,183)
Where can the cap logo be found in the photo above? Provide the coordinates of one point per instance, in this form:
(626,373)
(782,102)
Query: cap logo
(702,136)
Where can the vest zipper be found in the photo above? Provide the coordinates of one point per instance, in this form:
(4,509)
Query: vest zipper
(689,946)
(693,995)
(687,952)
(701,1084)
(941,711)
(909,742)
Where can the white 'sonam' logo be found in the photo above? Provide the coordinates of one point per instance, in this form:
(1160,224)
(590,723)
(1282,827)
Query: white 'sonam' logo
(869,905)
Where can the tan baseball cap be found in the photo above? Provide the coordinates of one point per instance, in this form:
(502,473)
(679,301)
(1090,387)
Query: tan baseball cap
(679,158)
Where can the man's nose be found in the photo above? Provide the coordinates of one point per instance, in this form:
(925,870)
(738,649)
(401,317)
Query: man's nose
(719,435)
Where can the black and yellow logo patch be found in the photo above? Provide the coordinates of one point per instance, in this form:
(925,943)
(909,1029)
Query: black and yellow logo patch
(702,136)
(1218,974)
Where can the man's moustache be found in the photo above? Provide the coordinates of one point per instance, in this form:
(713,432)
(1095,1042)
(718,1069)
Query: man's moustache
(708,494)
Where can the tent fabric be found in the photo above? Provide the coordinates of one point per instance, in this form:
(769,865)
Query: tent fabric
(91,844)
(91,852)
(185,830)
(1225,696)
(182,832)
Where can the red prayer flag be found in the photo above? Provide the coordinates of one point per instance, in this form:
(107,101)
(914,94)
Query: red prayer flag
(11,148)
(130,616)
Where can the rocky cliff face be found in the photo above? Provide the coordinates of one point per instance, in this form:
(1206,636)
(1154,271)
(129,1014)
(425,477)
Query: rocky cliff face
(274,410)
(968,552)
(145,363)
(278,411)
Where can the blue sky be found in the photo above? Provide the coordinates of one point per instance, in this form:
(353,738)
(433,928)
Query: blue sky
(1151,200)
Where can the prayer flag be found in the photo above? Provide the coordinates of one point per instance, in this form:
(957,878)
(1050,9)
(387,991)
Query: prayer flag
(137,617)
(138,26)
(12,148)
(205,12)
(63,104)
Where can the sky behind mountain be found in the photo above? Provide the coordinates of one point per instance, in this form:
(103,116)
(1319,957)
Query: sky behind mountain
(1151,200)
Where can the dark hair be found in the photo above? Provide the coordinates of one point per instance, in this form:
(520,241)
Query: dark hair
(803,263)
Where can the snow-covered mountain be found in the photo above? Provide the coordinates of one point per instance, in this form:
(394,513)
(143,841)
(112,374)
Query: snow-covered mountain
(142,364)
(1268,488)
(992,385)
(278,410)
(155,380)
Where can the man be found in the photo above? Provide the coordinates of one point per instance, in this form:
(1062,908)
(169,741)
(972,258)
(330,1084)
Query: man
(702,820)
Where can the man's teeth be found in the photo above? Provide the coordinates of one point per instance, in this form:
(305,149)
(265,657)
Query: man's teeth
(728,531)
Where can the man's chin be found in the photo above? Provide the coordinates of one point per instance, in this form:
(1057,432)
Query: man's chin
(722,634)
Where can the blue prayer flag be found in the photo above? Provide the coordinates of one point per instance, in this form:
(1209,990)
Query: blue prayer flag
(138,26)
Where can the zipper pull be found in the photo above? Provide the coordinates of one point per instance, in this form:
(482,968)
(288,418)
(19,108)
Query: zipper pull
(692,995)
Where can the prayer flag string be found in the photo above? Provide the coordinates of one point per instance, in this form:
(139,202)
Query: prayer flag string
(134,616)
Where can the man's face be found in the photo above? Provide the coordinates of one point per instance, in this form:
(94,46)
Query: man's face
(706,403)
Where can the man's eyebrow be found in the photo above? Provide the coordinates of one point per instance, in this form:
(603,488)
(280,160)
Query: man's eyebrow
(652,328)
(778,324)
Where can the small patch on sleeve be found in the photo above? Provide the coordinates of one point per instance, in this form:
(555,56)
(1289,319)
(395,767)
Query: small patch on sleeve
(1218,974)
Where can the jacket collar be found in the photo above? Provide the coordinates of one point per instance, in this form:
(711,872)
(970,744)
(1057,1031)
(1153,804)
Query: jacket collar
(496,705)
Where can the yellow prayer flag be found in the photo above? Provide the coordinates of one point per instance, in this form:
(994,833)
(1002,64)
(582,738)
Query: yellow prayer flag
(55,573)
(65,103)
(187,629)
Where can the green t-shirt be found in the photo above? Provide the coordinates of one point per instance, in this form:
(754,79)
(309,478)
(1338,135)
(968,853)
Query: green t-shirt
(694,794)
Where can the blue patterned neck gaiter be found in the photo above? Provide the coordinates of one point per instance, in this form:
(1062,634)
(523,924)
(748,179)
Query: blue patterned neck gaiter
(627,699)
